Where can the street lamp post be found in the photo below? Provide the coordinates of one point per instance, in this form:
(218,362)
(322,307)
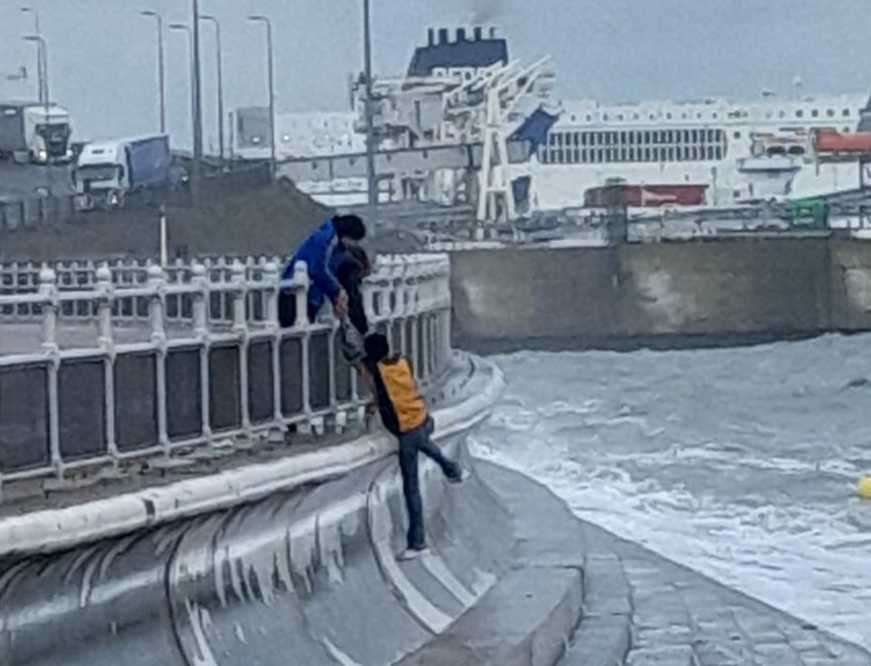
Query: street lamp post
(214,21)
(43,50)
(371,179)
(186,29)
(160,73)
(198,113)
(265,21)
(40,63)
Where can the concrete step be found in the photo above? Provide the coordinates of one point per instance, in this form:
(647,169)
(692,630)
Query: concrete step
(549,535)
(528,617)
(603,637)
(524,620)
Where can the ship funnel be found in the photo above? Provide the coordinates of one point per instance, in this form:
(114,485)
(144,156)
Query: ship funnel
(461,34)
(479,33)
(430,34)
(443,35)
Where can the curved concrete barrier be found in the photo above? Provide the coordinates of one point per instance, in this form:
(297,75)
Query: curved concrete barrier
(307,576)
(303,575)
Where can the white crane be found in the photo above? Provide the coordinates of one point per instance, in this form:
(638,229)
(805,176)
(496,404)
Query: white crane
(479,110)
(502,94)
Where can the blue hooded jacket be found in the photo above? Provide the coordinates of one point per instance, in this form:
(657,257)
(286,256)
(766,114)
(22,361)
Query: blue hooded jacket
(317,252)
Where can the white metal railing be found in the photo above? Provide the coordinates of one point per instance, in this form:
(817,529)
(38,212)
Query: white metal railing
(197,357)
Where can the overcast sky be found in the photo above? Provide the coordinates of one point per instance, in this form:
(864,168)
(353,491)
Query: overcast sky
(102,55)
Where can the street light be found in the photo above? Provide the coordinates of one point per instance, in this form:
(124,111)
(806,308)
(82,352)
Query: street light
(265,20)
(198,107)
(43,50)
(160,75)
(185,28)
(372,182)
(213,20)
(39,59)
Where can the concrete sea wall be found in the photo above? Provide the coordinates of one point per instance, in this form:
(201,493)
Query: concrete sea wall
(663,294)
(304,569)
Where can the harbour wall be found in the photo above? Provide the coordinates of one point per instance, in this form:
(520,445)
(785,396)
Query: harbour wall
(702,293)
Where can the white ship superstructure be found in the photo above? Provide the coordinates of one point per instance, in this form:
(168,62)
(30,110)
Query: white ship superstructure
(741,150)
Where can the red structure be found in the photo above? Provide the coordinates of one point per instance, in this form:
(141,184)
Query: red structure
(645,196)
(832,141)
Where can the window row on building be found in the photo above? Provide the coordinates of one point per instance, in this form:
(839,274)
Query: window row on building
(714,115)
(679,145)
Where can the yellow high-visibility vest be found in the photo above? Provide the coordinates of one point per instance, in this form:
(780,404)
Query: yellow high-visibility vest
(402,390)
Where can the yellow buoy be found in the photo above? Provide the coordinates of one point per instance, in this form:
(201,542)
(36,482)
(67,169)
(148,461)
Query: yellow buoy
(864,488)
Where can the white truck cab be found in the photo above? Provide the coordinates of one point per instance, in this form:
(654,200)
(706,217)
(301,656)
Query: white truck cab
(34,132)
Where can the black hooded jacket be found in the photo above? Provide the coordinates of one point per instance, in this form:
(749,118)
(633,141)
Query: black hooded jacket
(350,275)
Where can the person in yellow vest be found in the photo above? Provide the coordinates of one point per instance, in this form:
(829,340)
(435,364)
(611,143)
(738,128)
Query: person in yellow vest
(404,414)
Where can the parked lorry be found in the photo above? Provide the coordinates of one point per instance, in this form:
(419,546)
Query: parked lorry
(107,172)
(34,132)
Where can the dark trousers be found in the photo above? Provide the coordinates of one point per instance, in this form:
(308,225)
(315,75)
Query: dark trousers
(287,309)
(410,443)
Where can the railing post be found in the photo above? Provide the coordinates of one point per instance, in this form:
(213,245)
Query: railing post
(301,286)
(402,293)
(105,289)
(239,296)
(300,294)
(48,291)
(386,296)
(240,328)
(201,307)
(105,293)
(222,295)
(156,282)
(369,300)
(271,277)
(270,293)
(414,307)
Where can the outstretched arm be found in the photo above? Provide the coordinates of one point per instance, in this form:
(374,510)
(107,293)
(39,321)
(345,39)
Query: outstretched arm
(321,274)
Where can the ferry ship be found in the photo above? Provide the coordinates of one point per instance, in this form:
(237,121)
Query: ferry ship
(741,150)
(733,151)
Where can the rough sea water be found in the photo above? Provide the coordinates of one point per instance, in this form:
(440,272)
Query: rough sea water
(741,463)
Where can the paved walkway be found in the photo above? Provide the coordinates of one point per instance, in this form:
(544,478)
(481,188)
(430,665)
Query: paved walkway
(677,617)
(640,609)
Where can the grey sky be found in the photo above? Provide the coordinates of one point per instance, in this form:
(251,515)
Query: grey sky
(102,54)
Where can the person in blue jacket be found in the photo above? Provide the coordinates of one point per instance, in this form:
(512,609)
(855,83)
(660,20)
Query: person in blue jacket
(317,251)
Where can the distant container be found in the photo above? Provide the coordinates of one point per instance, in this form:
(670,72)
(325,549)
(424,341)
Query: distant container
(832,141)
(645,196)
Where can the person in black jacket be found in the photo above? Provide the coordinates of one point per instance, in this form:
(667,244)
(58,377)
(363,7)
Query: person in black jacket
(353,267)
